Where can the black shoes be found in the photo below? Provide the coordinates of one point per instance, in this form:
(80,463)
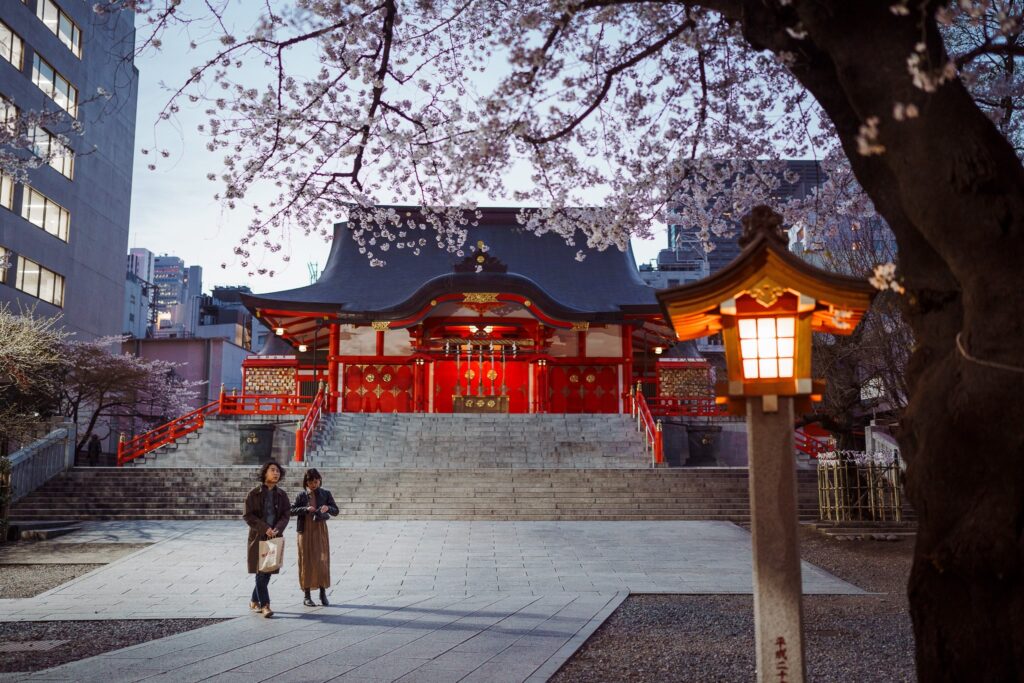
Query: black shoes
(308,601)
(323,598)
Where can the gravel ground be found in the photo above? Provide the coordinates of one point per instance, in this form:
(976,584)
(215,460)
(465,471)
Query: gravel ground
(29,580)
(83,639)
(711,637)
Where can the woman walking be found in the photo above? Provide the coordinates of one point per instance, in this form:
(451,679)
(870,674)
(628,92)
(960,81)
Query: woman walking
(314,506)
(266,513)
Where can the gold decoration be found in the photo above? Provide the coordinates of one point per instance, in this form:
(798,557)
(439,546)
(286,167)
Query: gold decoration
(378,391)
(480,258)
(575,379)
(380,325)
(580,326)
(361,391)
(480,245)
(591,379)
(767,292)
(492,375)
(526,302)
(490,404)
(386,378)
(433,302)
(370,377)
(480,297)
(470,374)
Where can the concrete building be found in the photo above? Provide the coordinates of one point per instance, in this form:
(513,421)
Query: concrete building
(214,361)
(138,306)
(64,230)
(141,263)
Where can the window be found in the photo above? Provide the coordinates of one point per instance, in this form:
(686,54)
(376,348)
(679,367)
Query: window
(47,146)
(56,87)
(11,46)
(60,23)
(45,213)
(6,192)
(8,114)
(767,347)
(40,282)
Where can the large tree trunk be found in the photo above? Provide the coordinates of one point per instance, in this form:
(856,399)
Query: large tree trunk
(952,190)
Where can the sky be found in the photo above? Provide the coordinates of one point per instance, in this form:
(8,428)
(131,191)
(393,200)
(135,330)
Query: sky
(173,209)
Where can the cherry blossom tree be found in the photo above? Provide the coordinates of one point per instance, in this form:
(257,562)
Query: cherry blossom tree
(102,389)
(30,365)
(438,104)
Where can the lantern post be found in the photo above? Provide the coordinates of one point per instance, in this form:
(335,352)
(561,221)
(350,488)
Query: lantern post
(766,304)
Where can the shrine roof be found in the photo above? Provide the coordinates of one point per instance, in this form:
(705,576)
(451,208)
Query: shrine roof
(605,285)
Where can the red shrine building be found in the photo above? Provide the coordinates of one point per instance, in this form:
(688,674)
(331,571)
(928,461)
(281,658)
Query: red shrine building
(516,324)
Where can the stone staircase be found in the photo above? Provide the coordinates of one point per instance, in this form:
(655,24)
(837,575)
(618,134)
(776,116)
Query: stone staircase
(491,493)
(461,441)
(216,444)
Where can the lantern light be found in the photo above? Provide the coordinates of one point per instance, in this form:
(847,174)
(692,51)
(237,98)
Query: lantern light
(658,350)
(302,348)
(279,331)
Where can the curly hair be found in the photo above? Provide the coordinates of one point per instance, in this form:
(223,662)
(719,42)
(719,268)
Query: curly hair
(310,475)
(262,476)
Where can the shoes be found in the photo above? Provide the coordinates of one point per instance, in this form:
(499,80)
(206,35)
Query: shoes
(267,612)
(308,602)
(255,606)
(323,598)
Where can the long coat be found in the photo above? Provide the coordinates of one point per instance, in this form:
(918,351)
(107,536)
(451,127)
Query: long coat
(253,516)
(323,497)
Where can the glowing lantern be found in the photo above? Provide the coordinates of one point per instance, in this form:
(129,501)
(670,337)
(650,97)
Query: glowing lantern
(766,304)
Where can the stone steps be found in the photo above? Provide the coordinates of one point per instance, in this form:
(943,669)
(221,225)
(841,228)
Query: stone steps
(379,494)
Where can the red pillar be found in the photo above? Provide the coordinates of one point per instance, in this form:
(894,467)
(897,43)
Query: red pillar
(627,359)
(333,351)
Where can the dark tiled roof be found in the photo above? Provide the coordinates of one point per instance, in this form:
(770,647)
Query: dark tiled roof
(605,284)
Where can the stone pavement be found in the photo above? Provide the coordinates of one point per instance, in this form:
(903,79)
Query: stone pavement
(413,600)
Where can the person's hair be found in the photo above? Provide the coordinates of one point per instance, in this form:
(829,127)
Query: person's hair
(310,475)
(266,466)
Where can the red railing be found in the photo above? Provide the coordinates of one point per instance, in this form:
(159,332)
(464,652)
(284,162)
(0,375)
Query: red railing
(130,449)
(309,424)
(265,404)
(805,443)
(651,429)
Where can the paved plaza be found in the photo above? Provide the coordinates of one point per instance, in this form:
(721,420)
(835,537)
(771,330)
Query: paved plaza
(411,600)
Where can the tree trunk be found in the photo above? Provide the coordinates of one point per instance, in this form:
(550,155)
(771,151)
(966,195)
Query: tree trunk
(952,190)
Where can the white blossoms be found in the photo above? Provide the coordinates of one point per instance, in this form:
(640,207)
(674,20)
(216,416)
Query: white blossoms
(884,278)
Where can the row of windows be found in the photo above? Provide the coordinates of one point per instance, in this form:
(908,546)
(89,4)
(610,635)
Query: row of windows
(60,157)
(37,280)
(11,46)
(37,209)
(45,144)
(54,86)
(60,23)
(48,79)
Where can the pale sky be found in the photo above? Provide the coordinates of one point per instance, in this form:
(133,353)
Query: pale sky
(173,210)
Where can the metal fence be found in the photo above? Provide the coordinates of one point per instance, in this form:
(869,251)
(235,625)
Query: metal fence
(848,491)
(37,463)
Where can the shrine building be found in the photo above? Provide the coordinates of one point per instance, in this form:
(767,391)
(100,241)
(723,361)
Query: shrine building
(517,324)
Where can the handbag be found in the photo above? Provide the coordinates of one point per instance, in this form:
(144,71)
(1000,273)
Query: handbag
(271,555)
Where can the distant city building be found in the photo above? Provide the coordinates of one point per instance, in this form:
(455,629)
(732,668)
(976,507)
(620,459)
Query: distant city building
(141,263)
(138,306)
(214,361)
(179,297)
(64,231)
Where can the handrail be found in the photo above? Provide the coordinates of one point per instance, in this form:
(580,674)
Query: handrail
(130,449)
(805,443)
(646,423)
(38,462)
(264,404)
(309,424)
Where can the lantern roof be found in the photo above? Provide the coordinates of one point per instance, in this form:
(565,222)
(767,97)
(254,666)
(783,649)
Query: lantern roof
(767,271)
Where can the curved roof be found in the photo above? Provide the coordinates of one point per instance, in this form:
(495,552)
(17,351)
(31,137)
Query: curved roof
(604,285)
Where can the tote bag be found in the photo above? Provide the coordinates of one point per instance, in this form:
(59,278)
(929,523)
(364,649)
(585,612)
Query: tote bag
(271,555)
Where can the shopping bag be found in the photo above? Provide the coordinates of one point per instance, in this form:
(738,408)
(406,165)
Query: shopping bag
(271,555)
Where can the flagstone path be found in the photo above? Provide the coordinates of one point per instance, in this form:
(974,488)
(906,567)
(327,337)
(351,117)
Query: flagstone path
(411,600)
